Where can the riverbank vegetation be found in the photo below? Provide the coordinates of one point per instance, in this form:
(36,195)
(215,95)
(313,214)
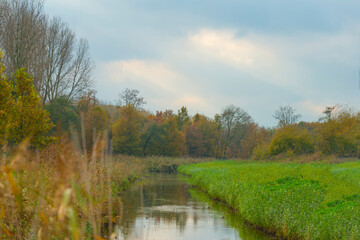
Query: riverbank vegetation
(60,193)
(291,200)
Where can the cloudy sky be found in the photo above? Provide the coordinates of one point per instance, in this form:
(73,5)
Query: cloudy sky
(255,54)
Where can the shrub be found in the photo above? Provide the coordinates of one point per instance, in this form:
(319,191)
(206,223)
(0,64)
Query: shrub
(340,134)
(291,139)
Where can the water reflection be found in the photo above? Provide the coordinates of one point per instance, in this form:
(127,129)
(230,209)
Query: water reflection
(166,208)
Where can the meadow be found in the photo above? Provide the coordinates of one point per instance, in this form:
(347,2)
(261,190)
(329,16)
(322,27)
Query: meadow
(288,200)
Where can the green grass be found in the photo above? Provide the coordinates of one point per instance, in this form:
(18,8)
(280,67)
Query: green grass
(306,201)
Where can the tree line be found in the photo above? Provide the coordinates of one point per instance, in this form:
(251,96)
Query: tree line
(132,130)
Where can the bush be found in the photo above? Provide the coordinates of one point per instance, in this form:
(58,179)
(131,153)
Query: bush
(340,134)
(291,139)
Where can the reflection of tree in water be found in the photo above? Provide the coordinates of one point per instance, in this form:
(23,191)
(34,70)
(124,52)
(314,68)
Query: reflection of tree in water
(161,191)
(166,200)
(168,217)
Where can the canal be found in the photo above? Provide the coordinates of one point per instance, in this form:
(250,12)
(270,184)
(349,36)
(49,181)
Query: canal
(166,207)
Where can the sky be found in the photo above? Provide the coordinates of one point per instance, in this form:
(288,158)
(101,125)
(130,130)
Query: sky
(256,54)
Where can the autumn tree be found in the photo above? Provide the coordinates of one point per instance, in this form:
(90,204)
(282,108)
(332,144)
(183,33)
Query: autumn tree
(194,141)
(174,138)
(94,119)
(126,131)
(162,136)
(183,118)
(6,103)
(210,132)
(340,134)
(28,118)
(244,142)
(262,141)
(96,122)
(153,139)
(286,115)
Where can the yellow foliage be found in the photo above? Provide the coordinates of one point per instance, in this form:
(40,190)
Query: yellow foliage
(27,117)
(291,139)
(126,131)
(340,135)
(6,102)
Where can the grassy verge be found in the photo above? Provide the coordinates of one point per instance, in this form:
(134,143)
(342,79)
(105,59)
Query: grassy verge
(59,193)
(303,201)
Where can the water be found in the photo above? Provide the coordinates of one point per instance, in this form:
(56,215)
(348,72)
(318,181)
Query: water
(165,208)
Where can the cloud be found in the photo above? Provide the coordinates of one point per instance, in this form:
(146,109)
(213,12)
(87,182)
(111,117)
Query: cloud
(166,87)
(247,53)
(314,109)
(153,74)
(211,68)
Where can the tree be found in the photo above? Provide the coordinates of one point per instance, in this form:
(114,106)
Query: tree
(87,101)
(96,122)
(328,112)
(130,97)
(63,114)
(47,48)
(183,118)
(173,138)
(94,119)
(244,141)
(22,31)
(233,121)
(286,115)
(68,67)
(210,131)
(262,142)
(152,139)
(340,134)
(126,132)
(6,103)
(194,141)
(28,119)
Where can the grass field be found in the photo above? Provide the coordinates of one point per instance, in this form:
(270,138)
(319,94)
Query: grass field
(303,201)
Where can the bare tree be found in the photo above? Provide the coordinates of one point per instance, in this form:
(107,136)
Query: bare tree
(47,48)
(329,113)
(233,120)
(130,97)
(286,115)
(22,31)
(68,65)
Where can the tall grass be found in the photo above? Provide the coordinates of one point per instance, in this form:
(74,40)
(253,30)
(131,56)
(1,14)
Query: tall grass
(61,193)
(304,201)
(58,193)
